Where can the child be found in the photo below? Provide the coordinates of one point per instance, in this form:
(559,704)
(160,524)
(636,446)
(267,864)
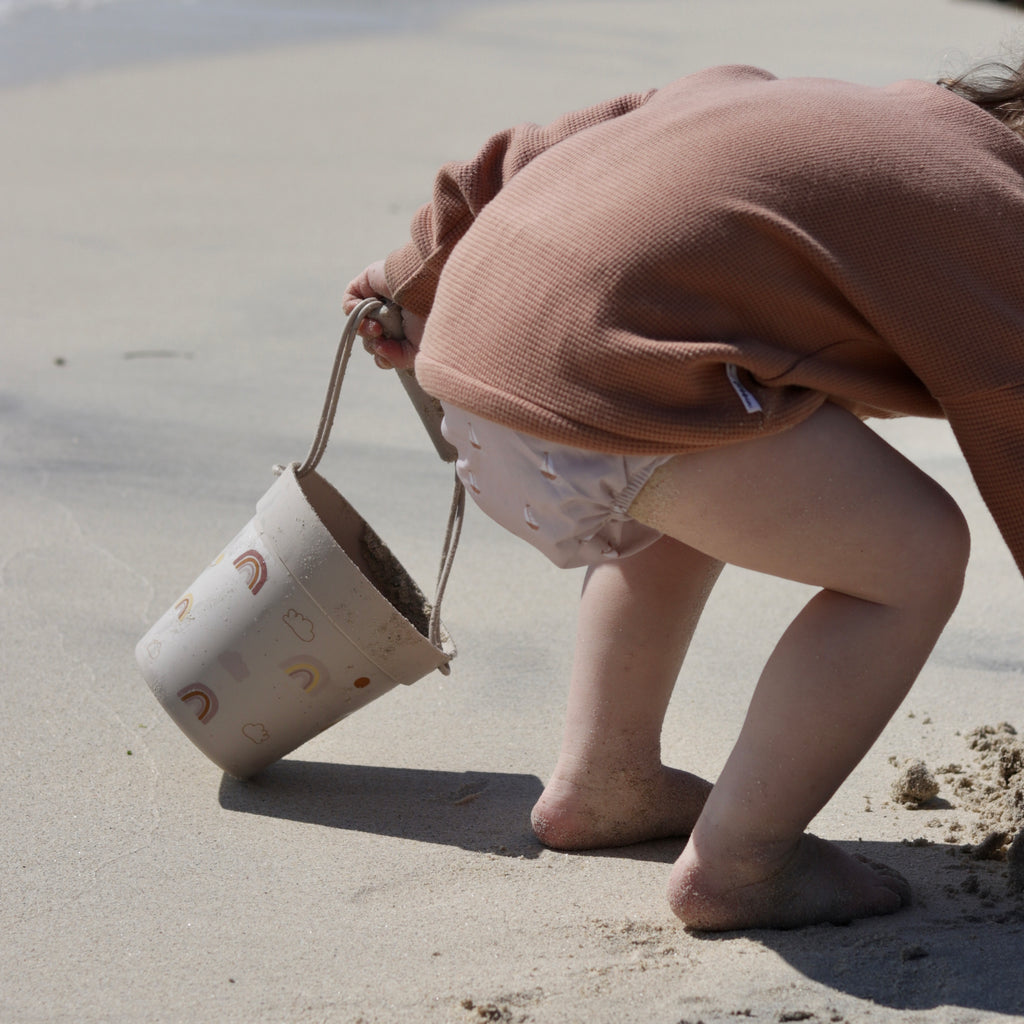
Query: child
(656,326)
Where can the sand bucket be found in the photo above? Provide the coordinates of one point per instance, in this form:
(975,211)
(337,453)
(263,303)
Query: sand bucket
(302,619)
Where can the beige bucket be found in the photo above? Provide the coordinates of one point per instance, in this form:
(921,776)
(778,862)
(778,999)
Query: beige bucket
(303,618)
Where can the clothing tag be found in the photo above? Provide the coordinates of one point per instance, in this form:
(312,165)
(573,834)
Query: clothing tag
(750,403)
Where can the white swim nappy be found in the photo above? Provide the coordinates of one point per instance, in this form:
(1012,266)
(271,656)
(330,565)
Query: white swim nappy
(570,503)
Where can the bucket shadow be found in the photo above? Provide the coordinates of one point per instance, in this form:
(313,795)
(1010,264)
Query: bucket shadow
(487,812)
(958,945)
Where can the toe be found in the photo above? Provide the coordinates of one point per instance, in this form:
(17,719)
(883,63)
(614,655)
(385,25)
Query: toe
(890,879)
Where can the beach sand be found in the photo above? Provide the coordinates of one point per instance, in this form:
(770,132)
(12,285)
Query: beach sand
(174,237)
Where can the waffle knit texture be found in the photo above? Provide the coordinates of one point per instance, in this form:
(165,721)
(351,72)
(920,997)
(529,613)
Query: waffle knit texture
(591,281)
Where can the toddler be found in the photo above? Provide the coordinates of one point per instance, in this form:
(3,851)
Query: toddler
(657,326)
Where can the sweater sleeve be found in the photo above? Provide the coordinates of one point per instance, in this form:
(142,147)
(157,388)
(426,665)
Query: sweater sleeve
(463,189)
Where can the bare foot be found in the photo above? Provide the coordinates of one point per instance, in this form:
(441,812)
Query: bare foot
(816,883)
(591,809)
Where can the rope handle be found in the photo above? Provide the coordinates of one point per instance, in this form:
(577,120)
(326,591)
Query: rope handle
(430,413)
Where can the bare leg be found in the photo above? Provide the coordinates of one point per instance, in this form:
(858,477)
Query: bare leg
(636,620)
(830,504)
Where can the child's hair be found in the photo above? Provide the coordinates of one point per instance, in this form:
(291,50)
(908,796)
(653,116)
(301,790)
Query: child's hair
(995,87)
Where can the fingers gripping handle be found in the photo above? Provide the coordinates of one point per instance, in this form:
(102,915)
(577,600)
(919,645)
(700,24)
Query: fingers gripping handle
(389,316)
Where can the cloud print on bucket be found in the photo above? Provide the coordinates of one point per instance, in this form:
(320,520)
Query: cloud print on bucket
(255,731)
(299,625)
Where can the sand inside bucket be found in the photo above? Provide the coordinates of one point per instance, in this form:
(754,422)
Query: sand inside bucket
(388,575)
(368,552)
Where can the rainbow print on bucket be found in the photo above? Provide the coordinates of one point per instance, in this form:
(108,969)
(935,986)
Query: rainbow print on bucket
(184,607)
(253,565)
(202,698)
(307,673)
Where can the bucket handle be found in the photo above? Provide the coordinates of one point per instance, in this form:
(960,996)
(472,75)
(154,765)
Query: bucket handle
(430,413)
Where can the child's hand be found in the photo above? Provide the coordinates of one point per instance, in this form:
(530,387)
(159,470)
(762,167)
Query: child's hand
(386,352)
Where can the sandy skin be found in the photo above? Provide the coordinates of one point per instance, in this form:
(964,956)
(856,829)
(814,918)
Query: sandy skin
(587,809)
(609,787)
(812,882)
(839,509)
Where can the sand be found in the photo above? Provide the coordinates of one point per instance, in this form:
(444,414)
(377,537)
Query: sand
(173,241)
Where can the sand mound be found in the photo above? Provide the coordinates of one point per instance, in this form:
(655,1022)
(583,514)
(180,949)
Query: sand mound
(995,792)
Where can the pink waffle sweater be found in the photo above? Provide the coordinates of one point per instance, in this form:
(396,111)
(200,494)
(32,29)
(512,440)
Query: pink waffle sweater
(710,261)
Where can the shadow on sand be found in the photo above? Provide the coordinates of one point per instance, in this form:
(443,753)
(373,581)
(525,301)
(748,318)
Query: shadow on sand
(961,943)
(480,811)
